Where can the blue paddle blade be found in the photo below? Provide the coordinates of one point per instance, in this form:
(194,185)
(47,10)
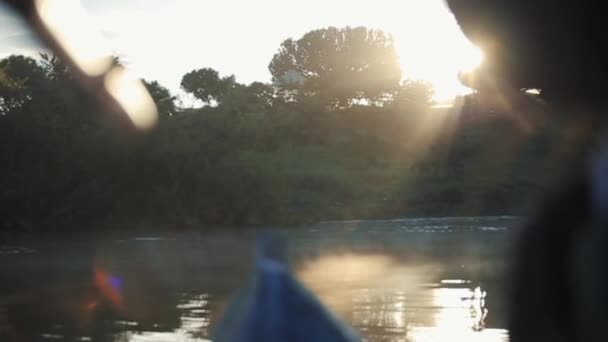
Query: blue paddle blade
(275,306)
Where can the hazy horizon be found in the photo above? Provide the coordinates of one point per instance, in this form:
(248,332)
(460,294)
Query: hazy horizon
(162,40)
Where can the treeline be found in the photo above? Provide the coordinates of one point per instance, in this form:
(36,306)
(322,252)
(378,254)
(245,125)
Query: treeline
(336,135)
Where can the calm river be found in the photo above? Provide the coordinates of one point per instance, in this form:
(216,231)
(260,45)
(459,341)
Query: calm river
(431,279)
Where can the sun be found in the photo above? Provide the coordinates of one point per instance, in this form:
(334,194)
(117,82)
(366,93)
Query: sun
(432,48)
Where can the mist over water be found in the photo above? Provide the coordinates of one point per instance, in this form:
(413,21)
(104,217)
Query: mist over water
(428,279)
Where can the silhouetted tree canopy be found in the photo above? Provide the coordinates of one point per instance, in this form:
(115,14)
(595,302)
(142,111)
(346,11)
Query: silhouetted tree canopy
(165,102)
(414,94)
(339,65)
(206,85)
(21,78)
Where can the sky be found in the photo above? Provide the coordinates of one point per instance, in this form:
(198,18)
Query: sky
(163,40)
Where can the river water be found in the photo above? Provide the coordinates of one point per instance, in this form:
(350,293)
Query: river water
(430,279)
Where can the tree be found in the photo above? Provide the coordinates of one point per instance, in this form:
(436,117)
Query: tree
(9,91)
(206,85)
(53,67)
(254,98)
(165,102)
(20,78)
(338,66)
(414,96)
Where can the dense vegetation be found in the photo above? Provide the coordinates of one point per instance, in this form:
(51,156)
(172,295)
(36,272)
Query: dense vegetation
(337,135)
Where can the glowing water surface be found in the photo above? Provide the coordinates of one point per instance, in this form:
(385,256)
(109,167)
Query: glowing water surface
(417,280)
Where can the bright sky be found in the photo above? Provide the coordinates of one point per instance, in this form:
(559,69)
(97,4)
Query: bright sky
(162,40)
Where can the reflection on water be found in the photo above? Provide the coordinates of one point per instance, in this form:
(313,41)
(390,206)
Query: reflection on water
(400,280)
(459,316)
(400,302)
(194,314)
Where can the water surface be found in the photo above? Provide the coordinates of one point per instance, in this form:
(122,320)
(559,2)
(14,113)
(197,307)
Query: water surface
(438,279)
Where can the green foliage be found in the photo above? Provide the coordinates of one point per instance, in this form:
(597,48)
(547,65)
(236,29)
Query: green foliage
(21,78)
(206,85)
(255,157)
(256,98)
(338,66)
(165,102)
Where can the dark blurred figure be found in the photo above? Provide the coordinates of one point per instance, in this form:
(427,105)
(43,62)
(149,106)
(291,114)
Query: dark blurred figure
(557,46)
(558,290)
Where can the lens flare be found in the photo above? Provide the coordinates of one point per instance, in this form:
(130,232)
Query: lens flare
(109,286)
(130,93)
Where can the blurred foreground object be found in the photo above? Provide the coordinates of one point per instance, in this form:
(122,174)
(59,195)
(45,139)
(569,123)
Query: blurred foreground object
(64,26)
(554,45)
(274,306)
(558,281)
